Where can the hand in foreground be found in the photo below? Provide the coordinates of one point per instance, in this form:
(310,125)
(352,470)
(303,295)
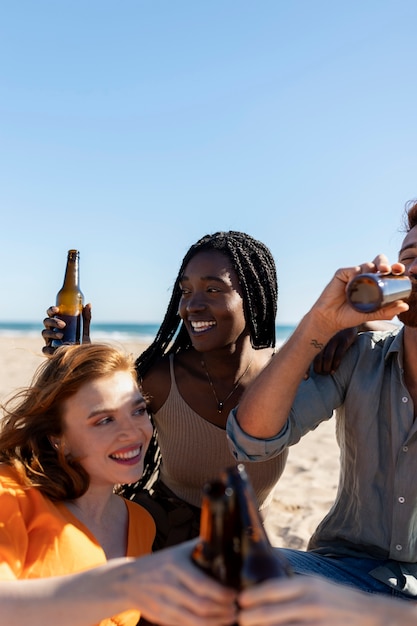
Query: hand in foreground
(313,601)
(166,587)
(53,327)
(171,591)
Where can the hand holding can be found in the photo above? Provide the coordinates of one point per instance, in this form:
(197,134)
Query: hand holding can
(369,292)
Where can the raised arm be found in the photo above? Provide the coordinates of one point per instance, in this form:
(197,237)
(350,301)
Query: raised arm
(266,404)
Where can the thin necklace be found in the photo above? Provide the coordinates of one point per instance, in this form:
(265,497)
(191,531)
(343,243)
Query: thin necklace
(221,403)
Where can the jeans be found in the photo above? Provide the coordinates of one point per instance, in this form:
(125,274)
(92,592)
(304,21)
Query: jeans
(345,570)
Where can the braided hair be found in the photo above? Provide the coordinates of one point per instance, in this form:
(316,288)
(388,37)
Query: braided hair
(256,272)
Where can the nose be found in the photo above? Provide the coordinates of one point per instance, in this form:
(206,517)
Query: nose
(412,269)
(195,302)
(131,425)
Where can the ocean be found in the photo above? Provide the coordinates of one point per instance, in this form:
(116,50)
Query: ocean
(114,331)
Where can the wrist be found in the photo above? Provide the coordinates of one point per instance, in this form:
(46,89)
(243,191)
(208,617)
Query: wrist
(316,330)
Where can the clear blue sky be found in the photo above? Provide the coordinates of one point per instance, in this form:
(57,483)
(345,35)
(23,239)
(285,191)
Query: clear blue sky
(130,128)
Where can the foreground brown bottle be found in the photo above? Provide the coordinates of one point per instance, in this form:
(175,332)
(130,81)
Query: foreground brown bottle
(233,547)
(70,301)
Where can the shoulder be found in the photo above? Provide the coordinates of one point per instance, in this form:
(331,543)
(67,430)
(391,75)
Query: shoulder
(156,383)
(18,500)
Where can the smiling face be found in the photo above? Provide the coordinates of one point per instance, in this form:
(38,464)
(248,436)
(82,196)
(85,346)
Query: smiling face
(408,256)
(211,304)
(107,429)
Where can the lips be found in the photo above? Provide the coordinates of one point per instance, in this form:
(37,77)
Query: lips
(127,456)
(201,326)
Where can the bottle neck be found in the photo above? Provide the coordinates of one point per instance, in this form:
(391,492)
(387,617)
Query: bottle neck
(260,561)
(71,277)
(247,504)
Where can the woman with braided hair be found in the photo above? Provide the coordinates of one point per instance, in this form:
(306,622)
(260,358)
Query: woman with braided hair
(217,335)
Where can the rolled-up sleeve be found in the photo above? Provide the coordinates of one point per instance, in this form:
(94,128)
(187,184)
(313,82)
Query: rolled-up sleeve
(315,401)
(244,447)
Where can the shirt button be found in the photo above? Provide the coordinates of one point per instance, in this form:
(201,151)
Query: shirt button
(404,399)
(398,547)
(401,499)
(405,448)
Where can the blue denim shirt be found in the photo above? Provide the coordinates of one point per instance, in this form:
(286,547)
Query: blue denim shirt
(375,511)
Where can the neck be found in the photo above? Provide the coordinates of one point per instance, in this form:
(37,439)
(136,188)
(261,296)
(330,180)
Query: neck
(234,355)
(237,378)
(94,505)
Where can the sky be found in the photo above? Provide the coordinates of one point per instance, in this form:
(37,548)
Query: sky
(131,128)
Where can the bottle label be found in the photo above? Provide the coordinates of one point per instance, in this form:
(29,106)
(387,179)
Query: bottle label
(72,330)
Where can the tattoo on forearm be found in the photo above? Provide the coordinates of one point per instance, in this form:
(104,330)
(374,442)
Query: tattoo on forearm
(317,344)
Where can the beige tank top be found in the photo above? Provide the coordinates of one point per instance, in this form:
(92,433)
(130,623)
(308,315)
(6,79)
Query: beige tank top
(195,451)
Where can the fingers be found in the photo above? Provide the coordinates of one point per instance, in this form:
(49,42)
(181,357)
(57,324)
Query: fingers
(53,322)
(381,264)
(86,313)
(188,610)
(174,604)
(183,594)
(271,603)
(390,311)
(398,268)
(48,350)
(53,327)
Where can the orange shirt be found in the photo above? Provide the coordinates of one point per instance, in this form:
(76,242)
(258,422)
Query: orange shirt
(40,538)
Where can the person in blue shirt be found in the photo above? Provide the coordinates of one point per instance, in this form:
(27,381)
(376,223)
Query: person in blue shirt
(368,539)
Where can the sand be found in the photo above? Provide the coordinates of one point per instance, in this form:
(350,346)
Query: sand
(301,498)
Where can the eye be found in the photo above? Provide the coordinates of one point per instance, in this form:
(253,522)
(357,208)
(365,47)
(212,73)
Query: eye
(104,420)
(184,290)
(140,411)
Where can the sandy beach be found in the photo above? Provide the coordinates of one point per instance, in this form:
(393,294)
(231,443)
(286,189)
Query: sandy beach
(303,495)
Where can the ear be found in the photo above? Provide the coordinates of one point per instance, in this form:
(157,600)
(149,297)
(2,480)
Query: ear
(57,444)
(54,441)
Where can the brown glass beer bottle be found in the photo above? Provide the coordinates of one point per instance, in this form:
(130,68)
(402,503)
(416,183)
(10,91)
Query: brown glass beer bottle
(233,546)
(259,559)
(70,301)
(218,549)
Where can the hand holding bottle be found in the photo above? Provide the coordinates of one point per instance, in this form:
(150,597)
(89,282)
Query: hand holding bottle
(54,327)
(315,601)
(69,321)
